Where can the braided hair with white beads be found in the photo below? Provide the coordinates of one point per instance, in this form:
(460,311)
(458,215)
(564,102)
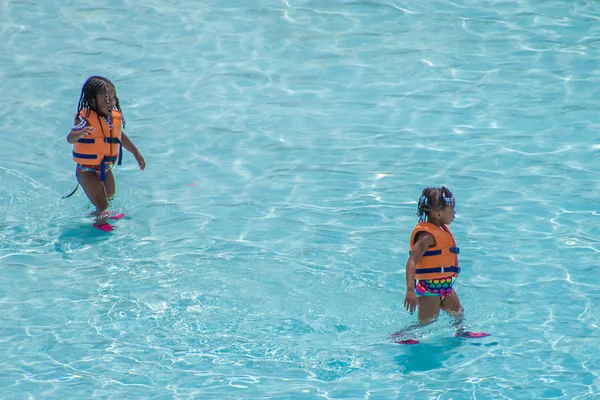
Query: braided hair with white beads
(434,199)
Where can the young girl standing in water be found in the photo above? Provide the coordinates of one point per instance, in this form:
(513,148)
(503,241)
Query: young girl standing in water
(432,266)
(97,140)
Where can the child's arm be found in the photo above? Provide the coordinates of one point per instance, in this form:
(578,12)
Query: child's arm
(81,129)
(424,241)
(129,146)
(77,134)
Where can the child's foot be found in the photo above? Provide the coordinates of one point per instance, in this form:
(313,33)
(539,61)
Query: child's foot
(104,227)
(471,335)
(409,341)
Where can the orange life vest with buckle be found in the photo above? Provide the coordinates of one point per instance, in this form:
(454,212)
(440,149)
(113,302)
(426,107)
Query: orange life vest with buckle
(440,260)
(103,145)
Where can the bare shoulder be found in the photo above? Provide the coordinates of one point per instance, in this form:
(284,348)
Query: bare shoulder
(425,239)
(79,123)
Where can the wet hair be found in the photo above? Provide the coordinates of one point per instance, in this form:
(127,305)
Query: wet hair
(92,87)
(434,199)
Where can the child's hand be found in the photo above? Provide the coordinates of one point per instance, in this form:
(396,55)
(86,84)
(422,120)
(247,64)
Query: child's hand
(410,301)
(140,160)
(82,133)
(77,134)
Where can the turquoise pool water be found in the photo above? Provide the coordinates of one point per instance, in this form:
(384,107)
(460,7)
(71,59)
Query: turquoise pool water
(286,145)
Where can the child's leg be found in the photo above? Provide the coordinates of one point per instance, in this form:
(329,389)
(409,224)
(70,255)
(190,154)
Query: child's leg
(96,192)
(428,311)
(451,305)
(109,184)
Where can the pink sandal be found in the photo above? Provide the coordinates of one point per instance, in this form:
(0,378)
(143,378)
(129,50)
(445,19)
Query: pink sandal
(112,215)
(409,341)
(472,335)
(104,227)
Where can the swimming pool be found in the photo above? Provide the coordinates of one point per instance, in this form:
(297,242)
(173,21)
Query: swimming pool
(287,143)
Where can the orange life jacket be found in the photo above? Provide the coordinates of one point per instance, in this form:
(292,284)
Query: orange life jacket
(103,146)
(440,260)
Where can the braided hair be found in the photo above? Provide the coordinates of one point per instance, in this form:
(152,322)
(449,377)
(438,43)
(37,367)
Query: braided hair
(93,86)
(433,199)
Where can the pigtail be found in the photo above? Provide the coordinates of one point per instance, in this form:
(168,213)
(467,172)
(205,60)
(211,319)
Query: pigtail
(447,197)
(424,205)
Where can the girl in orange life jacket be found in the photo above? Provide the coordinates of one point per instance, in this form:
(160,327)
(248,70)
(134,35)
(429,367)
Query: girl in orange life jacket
(97,140)
(432,266)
